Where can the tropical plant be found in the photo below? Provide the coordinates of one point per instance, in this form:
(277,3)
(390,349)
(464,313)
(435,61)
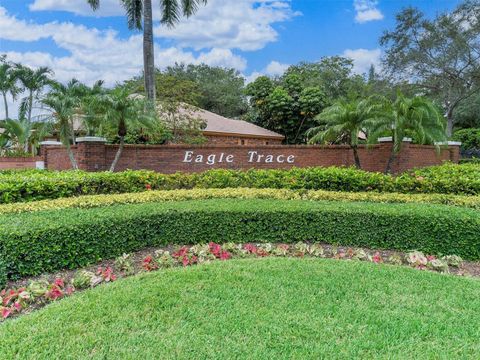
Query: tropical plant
(33,81)
(8,83)
(62,104)
(417,117)
(343,122)
(122,110)
(138,11)
(90,111)
(22,135)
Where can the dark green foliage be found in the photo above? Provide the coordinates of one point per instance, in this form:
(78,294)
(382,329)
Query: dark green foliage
(21,186)
(70,238)
(470,139)
(3,273)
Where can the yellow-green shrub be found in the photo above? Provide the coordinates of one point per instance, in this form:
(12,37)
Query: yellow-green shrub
(92,201)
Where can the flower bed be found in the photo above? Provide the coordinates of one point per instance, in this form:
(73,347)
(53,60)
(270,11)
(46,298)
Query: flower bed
(26,295)
(33,243)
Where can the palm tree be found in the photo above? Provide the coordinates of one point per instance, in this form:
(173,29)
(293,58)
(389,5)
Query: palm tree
(122,110)
(343,122)
(34,81)
(141,10)
(417,117)
(89,108)
(62,103)
(8,83)
(22,134)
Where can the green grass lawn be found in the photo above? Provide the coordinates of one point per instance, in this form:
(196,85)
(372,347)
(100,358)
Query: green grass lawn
(273,308)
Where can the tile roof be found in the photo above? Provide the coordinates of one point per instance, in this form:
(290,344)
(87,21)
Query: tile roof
(219,124)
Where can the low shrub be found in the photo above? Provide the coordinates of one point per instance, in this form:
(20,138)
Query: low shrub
(71,238)
(3,273)
(93,201)
(30,185)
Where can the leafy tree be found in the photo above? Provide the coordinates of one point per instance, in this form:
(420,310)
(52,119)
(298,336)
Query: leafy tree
(285,106)
(8,82)
(139,16)
(21,135)
(343,122)
(216,89)
(33,81)
(442,56)
(417,117)
(332,74)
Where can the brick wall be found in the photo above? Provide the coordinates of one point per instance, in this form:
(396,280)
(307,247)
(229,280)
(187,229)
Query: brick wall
(195,158)
(19,162)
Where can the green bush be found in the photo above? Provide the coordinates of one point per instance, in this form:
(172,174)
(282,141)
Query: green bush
(38,185)
(3,273)
(71,238)
(470,138)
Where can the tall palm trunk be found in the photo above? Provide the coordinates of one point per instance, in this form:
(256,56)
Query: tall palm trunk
(118,154)
(148,57)
(71,156)
(5,103)
(388,168)
(30,104)
(356,157)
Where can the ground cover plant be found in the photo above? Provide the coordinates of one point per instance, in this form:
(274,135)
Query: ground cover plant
(69,238)
(28,294)
(267,308)
(22,186)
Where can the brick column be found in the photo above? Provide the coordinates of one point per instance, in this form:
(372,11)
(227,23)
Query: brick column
(91,153)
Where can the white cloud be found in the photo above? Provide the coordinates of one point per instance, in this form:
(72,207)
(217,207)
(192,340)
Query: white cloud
(79,7)
(99,54)
(274,68)
(366,10)
(226,24)
(363,59)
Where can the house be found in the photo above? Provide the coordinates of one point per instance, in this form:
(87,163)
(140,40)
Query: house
(220,130)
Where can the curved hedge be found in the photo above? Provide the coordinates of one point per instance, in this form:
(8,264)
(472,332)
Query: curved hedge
(93,201)
(22,186)
(32,243)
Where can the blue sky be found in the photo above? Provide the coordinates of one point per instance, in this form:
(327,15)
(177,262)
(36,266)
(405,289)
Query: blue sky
(255,37)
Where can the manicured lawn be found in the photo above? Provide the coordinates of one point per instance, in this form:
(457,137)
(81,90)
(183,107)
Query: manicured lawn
(259,309)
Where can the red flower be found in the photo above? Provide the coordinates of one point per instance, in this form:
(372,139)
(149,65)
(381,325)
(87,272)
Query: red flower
(69,290)
(185,260)
(148,264)
(59,282)
(252,249)
(215,249)
(377,258)
(54,293)
(6,312)
(225,255)
(431,257)
(148,186)
(181,252)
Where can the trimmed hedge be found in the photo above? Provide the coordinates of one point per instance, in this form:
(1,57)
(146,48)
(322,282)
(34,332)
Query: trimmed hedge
(71,238)
(93,201)
(22,186)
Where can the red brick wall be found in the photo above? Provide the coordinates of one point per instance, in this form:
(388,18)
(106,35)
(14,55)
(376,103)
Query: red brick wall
(19,162)
(170,158)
